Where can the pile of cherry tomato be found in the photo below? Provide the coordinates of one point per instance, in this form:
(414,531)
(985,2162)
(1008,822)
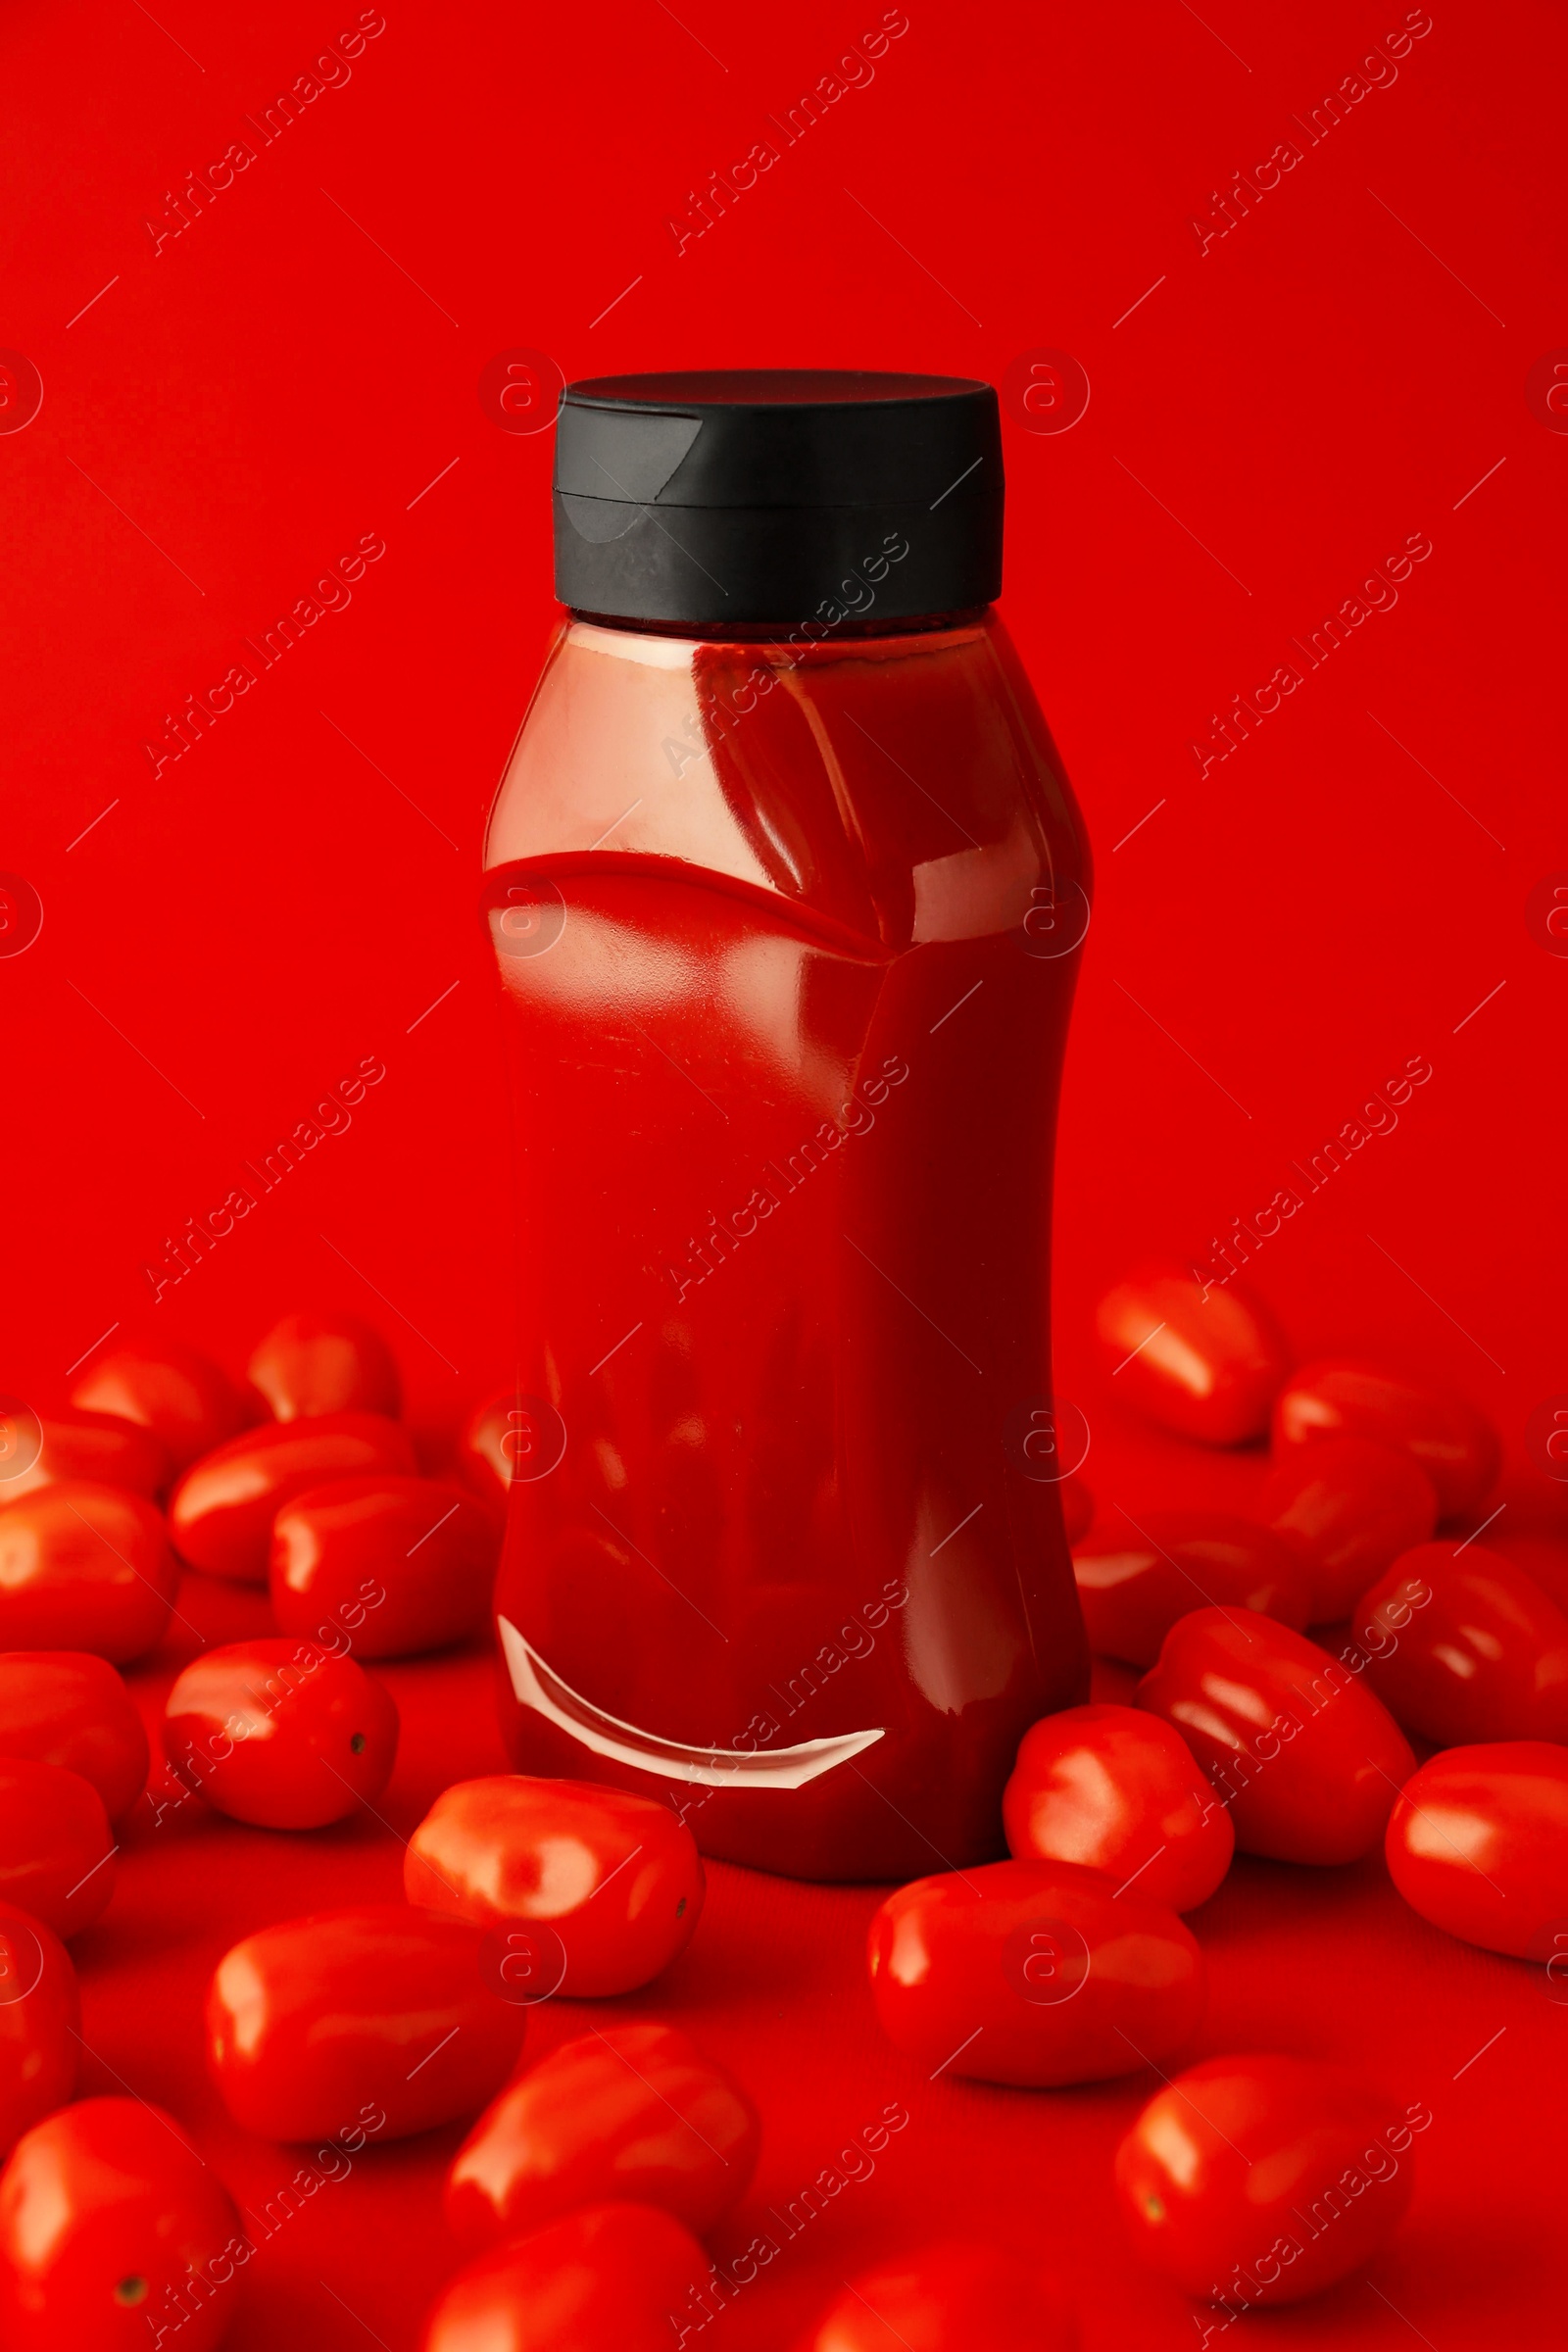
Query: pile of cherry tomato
(588,2179)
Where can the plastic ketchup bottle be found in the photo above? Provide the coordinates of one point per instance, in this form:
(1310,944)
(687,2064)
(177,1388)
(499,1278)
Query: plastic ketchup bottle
(787,887)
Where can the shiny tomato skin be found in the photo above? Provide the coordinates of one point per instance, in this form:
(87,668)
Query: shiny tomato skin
(407,1563)
(615,1878)
(283,1734)
(101,1447)
(40,2017)
(85,1567)
(183,1398)
(1462,1645)
(1478,1844)
(70,1707)
(309,1366)
(220,1514)
(1308,1759)
(493,1443)
(1077,1507)
(1118,1790)
(1347,1507)
(56,1846)
(1263,2178)
(1339,1397)
(1206,1366)
(956,2296)
(632,2111)
(1135,1581)
(1033,1973)
(377,2019)
(106,2212)
(606,2279)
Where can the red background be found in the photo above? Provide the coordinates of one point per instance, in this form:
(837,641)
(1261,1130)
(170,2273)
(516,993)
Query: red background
(300,367)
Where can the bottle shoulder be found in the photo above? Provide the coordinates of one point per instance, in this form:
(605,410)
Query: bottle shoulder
(903,788)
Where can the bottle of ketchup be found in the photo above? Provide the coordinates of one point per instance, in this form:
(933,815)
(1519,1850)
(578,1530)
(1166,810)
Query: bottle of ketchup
(786,888)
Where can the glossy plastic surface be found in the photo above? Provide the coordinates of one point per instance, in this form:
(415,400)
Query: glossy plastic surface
(787,943)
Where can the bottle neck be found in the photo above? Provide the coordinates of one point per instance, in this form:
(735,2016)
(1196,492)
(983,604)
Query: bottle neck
(783,632)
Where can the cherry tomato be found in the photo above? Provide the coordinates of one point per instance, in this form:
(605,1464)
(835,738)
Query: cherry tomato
(634,2111)
(1037,1972)
(64,1706)
(1134,1581)
(1308,1760)
(1445,1433)
(496,1441)
(1205,1364)
(283,1734)
(607,2279)
(56,1846)
(114,2234)
(1478,1843)
(220,1514)
(1347,1507)
(1077,1507)
(377,2019)
(952,2297)
(1263,2178)
(40,2014)
(408,1564)
(309,1366)
(183,1398)
(611,1884)
(1118,1790)
(1463,1646)
(100,1446)
(85,1567)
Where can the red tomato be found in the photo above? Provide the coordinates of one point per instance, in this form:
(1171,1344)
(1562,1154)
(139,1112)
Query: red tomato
(1463,1646)
(56,1846)
(283,1734)
(1118,1790)
(85,1567)
(954,2297)
(1306,1758)
(1205,1364)
(1035,1973)
(1262,2178)
(64,1706)
(507,1851)
(406,1563)
(183,1398)
(100,1446)
(1478,1843)
(1077,1507)
(220,1514)
(377,2019)
(1134,1581)
(40,2014)
(634,2111)
(114,2234)
(1456,1447)
(605,2280)
(309,1366)
(1347,1507)
(496,1442)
